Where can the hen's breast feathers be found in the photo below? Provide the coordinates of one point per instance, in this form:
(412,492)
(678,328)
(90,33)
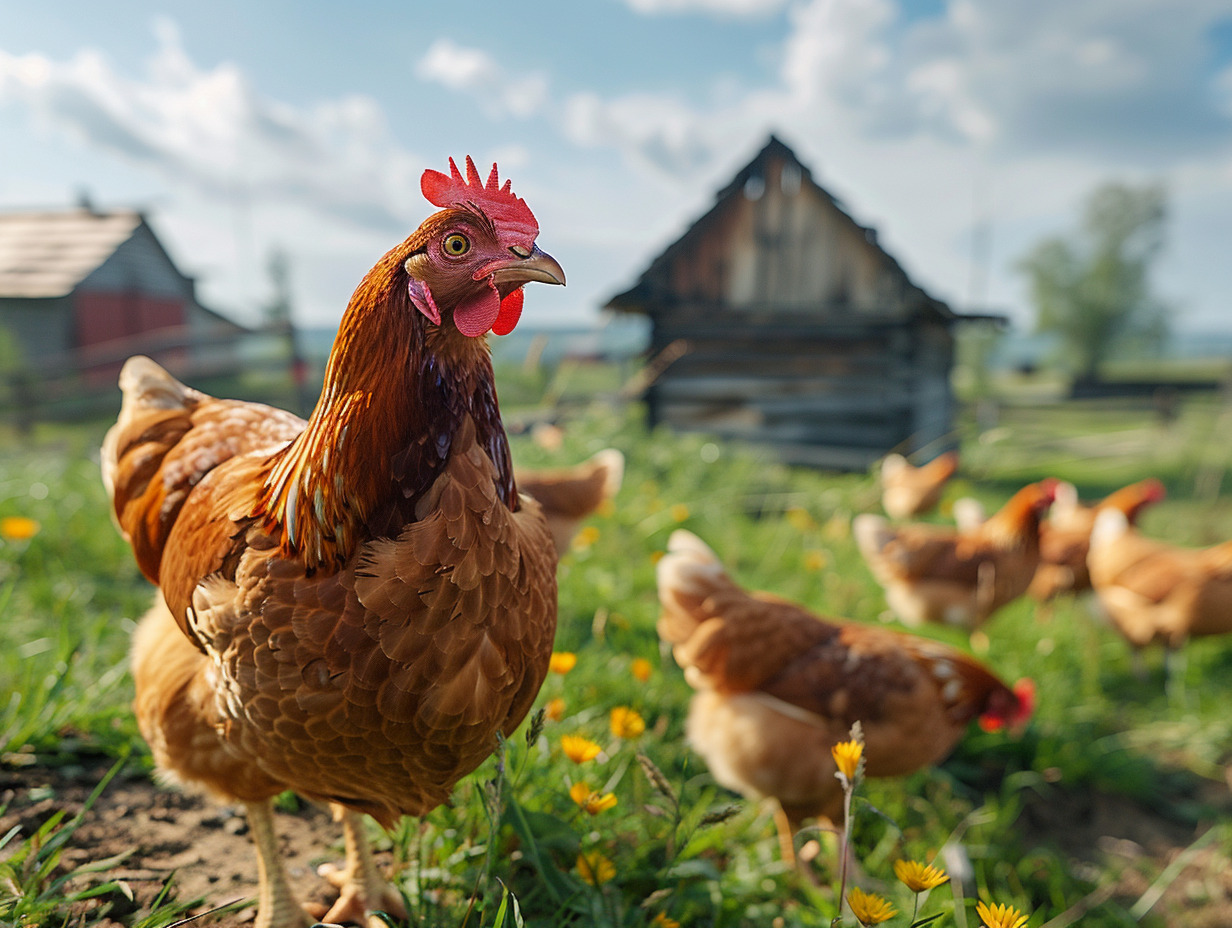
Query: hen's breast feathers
(432,637)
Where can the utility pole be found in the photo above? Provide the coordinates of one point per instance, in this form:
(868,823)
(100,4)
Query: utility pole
(280,322)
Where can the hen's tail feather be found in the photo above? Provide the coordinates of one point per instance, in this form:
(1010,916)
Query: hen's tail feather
(613,464)
(687,575)
(145,386)
(872,533)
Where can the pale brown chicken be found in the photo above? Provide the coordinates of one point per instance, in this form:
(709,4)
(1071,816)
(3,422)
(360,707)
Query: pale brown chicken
(908,491)
(1153,591)
(935,573)
(568,495)
(777,686)
(1066,534)
(352,607)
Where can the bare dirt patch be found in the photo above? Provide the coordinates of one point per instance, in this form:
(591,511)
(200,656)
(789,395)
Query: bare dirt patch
(1140,854)
(202,846)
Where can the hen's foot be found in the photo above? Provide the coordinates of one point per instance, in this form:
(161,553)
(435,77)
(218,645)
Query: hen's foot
(360,896)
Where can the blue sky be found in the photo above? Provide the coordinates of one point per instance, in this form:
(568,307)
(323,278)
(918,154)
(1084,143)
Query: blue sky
(242,127)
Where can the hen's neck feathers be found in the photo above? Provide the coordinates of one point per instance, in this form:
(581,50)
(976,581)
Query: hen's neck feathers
(1016,524)
(396,391)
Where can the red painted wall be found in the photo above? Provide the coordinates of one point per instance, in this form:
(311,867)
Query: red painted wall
(103,317)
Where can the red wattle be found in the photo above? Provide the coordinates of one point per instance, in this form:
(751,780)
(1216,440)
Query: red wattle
(510,312)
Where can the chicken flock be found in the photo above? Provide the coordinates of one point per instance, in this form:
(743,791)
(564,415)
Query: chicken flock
(355,607)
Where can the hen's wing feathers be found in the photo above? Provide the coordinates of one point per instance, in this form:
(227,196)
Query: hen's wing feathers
(740,642)
(918,550)
(719,631)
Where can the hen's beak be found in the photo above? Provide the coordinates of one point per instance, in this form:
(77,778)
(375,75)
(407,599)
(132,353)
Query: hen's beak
(521,269)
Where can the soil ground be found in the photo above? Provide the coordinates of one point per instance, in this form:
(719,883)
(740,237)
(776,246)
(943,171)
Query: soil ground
(167,834)
(204,847)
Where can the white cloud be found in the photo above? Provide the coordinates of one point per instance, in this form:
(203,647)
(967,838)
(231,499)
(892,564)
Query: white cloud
(211,129)
(476,72)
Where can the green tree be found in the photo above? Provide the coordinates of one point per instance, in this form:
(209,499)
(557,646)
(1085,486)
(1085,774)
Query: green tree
(1094,289)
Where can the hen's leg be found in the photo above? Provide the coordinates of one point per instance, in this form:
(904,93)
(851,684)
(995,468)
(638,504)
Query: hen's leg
(364,889)
(787,835)
(277,906)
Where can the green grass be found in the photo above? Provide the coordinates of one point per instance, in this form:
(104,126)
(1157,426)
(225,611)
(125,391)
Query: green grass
(679,844)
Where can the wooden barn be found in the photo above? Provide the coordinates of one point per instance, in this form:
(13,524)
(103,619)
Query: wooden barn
(81,290)
(777,318)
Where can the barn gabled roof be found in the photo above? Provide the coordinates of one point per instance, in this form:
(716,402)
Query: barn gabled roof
(636,298)
(47,254)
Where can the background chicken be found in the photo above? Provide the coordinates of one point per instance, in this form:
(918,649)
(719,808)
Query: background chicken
(1066,534)
(355,606)
(1155,591)
(908,491)
(569,494)
(934,573)
(778,686)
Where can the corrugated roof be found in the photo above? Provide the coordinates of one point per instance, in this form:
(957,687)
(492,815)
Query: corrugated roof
(47,254)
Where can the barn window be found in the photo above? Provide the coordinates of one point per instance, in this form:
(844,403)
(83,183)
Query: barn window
(754,187)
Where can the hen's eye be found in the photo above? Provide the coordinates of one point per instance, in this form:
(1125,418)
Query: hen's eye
(456,245)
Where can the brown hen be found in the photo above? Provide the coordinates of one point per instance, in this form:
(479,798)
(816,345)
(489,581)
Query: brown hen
(934,573)
(1156,591)
(908,491)
(356,606)
(1066,534)
(778,686)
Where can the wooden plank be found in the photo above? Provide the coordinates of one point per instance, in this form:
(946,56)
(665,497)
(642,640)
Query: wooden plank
(749,427)
(860,392)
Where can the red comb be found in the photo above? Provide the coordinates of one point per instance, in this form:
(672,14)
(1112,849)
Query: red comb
(515,223)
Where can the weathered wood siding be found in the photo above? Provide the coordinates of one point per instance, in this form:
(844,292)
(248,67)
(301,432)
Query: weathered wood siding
(782,246)
(824,394)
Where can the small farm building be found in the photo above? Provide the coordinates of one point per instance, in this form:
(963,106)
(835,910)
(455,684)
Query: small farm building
(779,319)
(81,290)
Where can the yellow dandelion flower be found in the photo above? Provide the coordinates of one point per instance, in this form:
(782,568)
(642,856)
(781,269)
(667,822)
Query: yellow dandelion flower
(837,527)
(18,528)
(562,662)
(585,538)
(799,519)
(869,908)
(555,709)
(815,560)
(656,556)
(590,800)
(679,512)
(847,757)
(918,877)
(579,749)
(1000,916)
(641,669)
(594,868)
(662,921)
(626,723)
(606,509)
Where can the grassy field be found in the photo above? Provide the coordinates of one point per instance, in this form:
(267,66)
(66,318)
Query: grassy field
(1106,812)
